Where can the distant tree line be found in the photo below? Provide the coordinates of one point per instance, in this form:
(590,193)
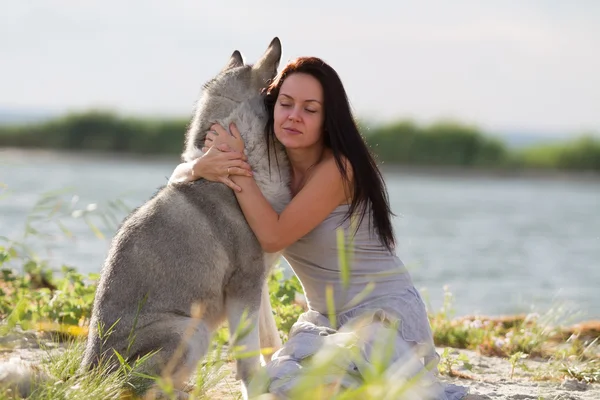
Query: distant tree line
(444,143)
(100,131)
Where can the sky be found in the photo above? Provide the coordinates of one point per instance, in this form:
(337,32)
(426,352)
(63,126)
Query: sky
(501,65)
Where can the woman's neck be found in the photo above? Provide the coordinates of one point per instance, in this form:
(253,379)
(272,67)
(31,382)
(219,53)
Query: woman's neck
(301,160)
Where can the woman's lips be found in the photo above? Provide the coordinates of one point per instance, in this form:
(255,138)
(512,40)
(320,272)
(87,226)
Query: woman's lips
(292,131)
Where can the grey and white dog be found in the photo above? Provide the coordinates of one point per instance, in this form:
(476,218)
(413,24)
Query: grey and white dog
(190,245)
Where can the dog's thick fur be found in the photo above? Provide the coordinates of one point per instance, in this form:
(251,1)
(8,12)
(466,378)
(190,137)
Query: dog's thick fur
(191,245)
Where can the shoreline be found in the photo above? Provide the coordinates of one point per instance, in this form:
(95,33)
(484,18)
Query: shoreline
(495,173)
(12,154)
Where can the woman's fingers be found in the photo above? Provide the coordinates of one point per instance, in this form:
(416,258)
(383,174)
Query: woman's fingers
(210,137)
(234,131)
(239,171)
(240,164)
(234,155)
(227,160)
(230,184)
(228,154)
(218,129)
(224,147)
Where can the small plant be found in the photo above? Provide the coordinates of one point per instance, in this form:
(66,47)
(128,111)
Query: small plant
(588,372)
(448,362)
(283,293)
(515,360)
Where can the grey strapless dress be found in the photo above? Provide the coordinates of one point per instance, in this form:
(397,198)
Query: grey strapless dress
(372,296)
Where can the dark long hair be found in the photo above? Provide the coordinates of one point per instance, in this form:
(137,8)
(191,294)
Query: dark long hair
(342,136)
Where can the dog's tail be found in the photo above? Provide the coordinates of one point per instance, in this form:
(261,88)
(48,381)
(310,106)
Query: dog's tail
(20,378)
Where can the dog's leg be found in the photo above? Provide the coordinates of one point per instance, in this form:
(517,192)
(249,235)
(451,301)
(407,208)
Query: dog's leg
(245,332)
(268,333)
(182,341)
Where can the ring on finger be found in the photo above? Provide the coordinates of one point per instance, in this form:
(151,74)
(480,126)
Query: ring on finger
(228,170)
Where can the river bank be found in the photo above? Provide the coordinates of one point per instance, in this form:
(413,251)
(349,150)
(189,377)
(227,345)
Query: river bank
(15,155)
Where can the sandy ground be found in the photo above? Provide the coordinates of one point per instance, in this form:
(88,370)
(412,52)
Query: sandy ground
(489,377)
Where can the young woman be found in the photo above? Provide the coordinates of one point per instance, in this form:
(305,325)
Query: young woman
(335,183)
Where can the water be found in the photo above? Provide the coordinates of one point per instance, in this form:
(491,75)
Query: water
(501,245)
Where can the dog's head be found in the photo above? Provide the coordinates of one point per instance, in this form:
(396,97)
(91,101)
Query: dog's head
(236,83)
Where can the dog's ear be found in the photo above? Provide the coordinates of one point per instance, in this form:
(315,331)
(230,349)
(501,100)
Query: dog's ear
(266,67)
(235,60)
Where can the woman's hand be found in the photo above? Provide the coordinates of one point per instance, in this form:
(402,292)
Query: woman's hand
(216,165)
(218,135)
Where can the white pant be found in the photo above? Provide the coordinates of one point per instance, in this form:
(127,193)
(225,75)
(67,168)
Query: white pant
(368,343)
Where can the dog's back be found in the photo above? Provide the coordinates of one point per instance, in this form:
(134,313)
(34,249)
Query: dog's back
(190,244)
(174,251)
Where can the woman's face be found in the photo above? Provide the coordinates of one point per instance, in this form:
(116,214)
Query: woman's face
(299,113)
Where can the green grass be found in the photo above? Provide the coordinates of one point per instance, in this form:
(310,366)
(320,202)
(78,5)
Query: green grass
(33,297)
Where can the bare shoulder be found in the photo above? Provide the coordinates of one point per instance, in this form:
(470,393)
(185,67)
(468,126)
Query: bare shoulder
(329,163)
(329,171)
(323,191)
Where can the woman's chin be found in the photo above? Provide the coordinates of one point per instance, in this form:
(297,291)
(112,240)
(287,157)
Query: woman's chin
(290,143)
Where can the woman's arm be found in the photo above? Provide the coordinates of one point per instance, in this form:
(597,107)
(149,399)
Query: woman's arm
(321,194)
